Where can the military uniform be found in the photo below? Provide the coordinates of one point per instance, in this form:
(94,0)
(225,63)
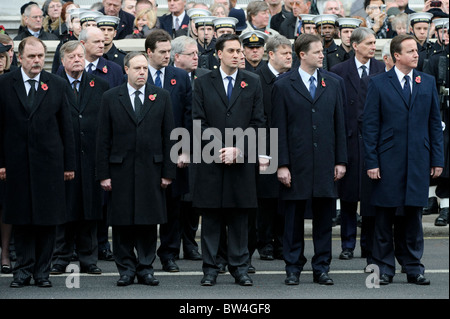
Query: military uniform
(207,58)
(253,39)
(332,48)
(341,55)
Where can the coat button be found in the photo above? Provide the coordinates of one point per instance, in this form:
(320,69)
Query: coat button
(80,116)
(228,113)
(313,110)
(314,127)
(315,144)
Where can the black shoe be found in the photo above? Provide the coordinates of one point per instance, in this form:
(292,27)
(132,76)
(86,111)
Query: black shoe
(418,280)
(192,255)
(346,254)
(323,279)
(148,280)
(57,269)
(266,254)
(91,269)
(442,219)
(337,220)
(292,279)
(243,280)
(125,281)
(251,269)
(43,283)
(432,207)
(385,279)
(222,268)
(19,283)
(106,254)
(208,280)
(6,269)
(170,266)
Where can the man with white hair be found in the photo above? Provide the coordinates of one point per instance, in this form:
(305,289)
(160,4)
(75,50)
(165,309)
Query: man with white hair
(33,18)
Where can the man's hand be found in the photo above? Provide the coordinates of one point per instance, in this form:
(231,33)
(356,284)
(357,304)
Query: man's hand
(374,173)
(106,184)
(436,172)
(228,155)
(165,182)
(68,176)
(339,172)
(3,173)
(263,164)
(284,176)
(183,160)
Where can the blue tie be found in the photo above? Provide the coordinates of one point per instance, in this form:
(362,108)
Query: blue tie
(89,70)
(312,86)
(230,87)
(364,72)
(407,89)
(158,79)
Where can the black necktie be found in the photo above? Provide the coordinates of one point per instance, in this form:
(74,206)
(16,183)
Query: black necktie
(137,103)
(89,70)
(364,72)
(31,93)
(407,89)
(230,87)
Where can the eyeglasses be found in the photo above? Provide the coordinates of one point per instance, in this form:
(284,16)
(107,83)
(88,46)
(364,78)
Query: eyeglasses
(192,54)
(373,7)
(55,7)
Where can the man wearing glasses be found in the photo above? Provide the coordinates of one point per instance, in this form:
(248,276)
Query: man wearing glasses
(33,18)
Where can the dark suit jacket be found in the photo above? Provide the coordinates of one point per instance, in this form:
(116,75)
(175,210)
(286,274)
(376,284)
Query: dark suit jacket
(106,70)
(177,83)
(268,184)
(287,27)
(83,193)
(135,153)
(311,134)
(219,185)
(36,148)
(350,185)
(43,35)
(404,140)
(166,23)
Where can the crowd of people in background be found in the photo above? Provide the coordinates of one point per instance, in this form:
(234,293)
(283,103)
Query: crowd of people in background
(197,56)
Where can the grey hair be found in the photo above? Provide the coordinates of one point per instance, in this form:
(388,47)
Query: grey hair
(179,45)
(131,55)
(254,7)
(27,10)
(69,47)
(398,19)
(360,34)
(275,41)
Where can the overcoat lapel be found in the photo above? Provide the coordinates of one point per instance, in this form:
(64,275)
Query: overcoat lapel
(124,99)
(396,84)
(19,87)
(43,86)
(299,86)
(218,86)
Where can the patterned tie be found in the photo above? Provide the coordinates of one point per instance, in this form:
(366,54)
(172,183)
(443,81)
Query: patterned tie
(364,72)
(89,68)
(177,23)
(312,86)
(137,103)
(158,79)
(75,90)
(31,93)
(230,87)
(407,89)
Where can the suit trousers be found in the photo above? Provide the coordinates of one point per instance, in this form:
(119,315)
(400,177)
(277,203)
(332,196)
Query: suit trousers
(236,222)
(270,225)
(82,234)
(170,232)
(34,249)
(323,210)
(189,226)
(127,239)
(348,224)
(408,244)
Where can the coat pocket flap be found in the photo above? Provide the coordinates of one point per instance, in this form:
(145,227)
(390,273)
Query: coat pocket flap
(158,158)
(116,159)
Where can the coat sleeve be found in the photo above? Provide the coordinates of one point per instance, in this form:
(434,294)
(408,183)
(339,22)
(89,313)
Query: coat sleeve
(371,124)
(340,130)
(169,167)
(279,122)
(436,133)
(66,129)
(104,135)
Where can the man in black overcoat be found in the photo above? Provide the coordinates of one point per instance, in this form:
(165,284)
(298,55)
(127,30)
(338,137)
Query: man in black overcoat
(36,156)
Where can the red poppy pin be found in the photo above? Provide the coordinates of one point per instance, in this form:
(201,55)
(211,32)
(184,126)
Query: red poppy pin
(418,79)
(243,84)
(105,69)
(92,83)
(173,81)
(136,31)
(323,83)
(152,97)
(184,26)
(44,86)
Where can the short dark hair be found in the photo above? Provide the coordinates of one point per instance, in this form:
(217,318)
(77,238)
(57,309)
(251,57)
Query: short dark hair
(158,35)
(396,43)
(303,42)
(367,3)
(30,39)
(131,55)
(220,43)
